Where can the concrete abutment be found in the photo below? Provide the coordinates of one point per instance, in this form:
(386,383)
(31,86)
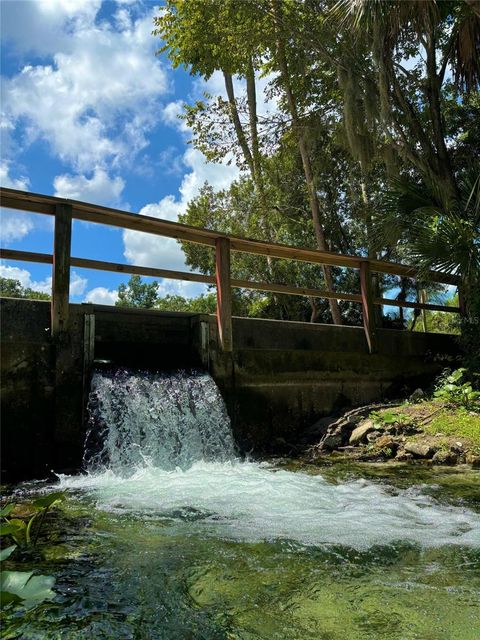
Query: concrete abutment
(280,377)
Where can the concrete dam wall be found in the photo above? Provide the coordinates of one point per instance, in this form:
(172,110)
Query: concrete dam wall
(280,378)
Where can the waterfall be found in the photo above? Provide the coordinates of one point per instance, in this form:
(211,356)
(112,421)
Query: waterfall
(151,419)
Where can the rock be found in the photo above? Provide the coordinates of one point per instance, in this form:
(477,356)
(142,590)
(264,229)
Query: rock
(444,457)
(419,449)
(416,396)
(403,456)
(372,436)
(387,442)
(474,460)
(331,441)
(359,434)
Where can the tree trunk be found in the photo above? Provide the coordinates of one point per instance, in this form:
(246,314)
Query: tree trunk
(307,166)
(236,121)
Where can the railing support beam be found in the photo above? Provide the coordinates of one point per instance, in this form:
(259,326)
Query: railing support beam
(224,293)
(368,306)
(61,268)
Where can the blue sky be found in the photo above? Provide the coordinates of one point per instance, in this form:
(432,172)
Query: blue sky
(90,112)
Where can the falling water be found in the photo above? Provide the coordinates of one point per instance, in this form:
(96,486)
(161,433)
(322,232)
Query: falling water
(161,445)
(144,419)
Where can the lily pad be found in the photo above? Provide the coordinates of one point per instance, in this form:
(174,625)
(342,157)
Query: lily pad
(7,552)
(7,510)
(47,501)
(29,588)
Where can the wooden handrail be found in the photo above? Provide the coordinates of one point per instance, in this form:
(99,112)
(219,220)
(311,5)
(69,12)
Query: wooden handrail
(65,210)
(32,202)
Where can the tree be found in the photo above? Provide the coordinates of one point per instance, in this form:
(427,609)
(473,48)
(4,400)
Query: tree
(415,48)
(137,293)
(11,288)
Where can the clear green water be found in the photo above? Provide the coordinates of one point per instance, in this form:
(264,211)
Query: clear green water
(131,572)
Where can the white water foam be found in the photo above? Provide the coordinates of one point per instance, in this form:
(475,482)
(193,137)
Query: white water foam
(254,502)
(163,448)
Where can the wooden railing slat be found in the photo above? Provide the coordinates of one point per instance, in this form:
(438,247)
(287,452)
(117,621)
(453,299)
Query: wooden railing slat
(27,201)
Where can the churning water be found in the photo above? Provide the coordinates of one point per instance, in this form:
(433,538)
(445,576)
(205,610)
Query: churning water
(169,535)
(162,444)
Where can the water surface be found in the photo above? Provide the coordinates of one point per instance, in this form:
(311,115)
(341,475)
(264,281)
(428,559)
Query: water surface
(171,536)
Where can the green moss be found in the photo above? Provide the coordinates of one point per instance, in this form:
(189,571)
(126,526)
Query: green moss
(459,423)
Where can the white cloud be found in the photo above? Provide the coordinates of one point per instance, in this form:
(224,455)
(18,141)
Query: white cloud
(100,188)
(170,115)
(99,98)
(152,251)
(13,225)
(101,295)
(21,183)
(77,283)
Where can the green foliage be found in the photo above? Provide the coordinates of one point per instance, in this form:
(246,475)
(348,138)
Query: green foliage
(460,423)
(386,417)
(137,293)
(22,587)
(11,288)
(19,529)
(454,388)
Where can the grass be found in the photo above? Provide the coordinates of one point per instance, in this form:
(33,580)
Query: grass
(457,422)
(435,417)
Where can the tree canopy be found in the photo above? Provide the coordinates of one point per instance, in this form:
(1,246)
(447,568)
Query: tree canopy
(365,141)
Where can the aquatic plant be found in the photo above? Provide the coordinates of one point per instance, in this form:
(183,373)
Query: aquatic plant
(22,587)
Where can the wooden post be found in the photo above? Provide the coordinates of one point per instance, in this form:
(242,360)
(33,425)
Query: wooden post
(224,293)
(368,306)
(61,268)
(423,300)
(461,300)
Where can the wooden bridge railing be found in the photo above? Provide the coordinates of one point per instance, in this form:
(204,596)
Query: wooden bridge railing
(65,210)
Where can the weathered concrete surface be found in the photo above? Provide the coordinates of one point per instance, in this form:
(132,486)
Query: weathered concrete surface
(281,377)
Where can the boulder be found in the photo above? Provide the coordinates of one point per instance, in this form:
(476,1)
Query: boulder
(359,434)
(332,440)
(419,449)
(417,396)
(474,460)
(445,457)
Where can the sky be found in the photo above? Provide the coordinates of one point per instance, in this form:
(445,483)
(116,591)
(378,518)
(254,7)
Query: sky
(89,112)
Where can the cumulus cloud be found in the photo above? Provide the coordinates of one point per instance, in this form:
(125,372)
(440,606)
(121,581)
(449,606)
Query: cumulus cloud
(13,225)
(97,100)
(6,180)
(99,188)
(101,295)
(77,283)
(152,251)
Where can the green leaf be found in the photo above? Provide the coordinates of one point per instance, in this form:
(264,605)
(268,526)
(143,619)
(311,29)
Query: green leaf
(47,501)
(6,553)
(7,510)
(10,528)
(31,589)
(8,598)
